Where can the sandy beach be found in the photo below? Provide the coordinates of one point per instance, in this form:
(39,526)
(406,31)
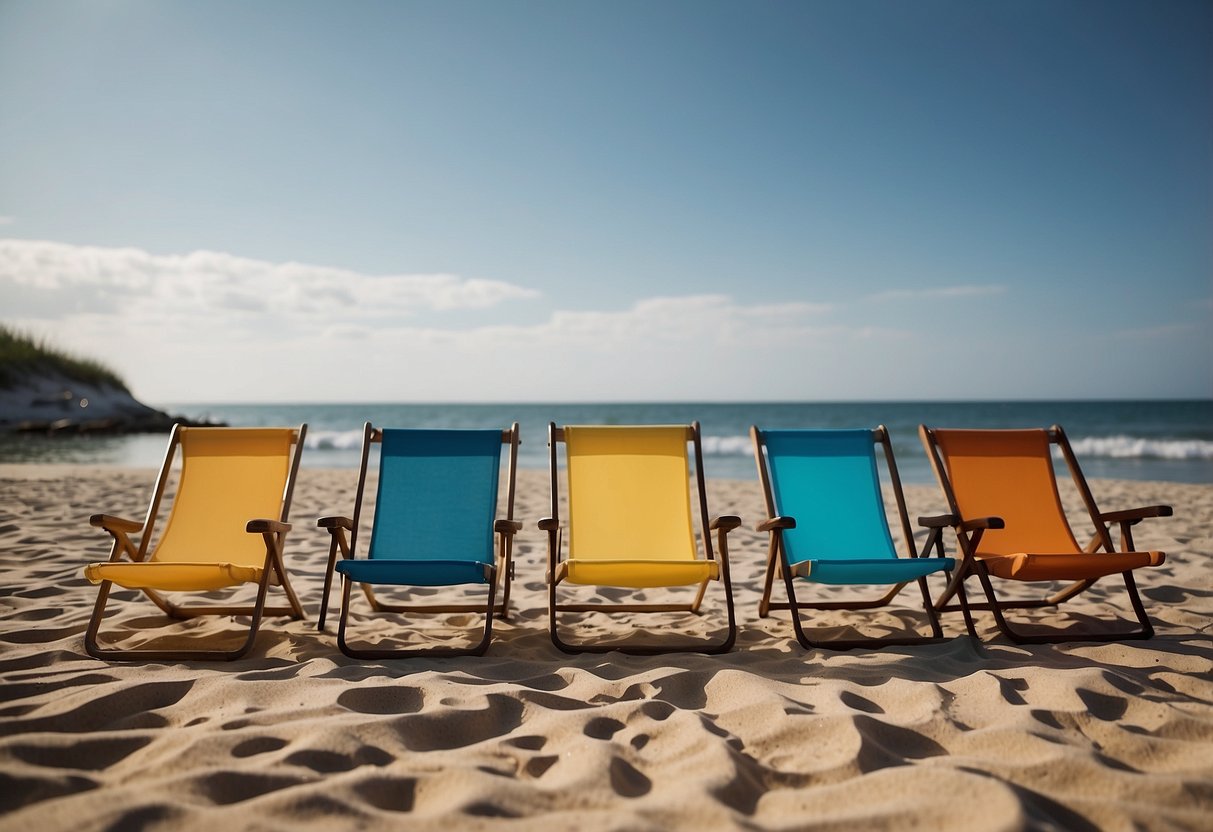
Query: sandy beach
(959,735)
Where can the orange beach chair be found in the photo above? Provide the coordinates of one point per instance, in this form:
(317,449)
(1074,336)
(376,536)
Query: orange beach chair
(1010,525)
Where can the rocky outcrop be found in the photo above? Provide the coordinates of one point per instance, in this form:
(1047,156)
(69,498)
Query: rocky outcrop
(49,402)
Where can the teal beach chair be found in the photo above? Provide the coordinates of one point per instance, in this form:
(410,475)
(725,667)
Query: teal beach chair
(434,526)
(827,525)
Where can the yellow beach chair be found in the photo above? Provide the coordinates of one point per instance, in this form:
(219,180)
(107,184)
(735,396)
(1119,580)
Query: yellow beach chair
(630,525)
(226,528)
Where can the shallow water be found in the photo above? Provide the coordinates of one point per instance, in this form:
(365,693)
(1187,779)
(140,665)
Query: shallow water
(1132,440)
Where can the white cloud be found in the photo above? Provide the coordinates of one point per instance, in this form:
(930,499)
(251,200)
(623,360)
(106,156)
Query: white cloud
(681,324)
(1153,332)
(209,326)
(51,281)
(962,291)
(7,220)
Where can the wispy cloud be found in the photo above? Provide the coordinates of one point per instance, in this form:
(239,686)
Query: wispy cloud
(5,220)
(1155,332)
(50,280)
(682,323)
(186,327)
(962,291)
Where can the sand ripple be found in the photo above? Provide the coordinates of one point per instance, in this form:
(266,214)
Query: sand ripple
(957,735)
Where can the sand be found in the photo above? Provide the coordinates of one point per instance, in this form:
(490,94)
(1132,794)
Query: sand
(961,735)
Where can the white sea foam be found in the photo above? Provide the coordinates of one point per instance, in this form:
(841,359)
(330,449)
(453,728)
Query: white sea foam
(1115,447)
(727,446)
(1132,447)
(333,440)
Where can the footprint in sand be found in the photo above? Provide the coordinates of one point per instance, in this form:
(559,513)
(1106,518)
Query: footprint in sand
(227,787)
(626,780)
(388,793)
(382,700)
(16,791)
(457,728)
(258,745)
(602,728)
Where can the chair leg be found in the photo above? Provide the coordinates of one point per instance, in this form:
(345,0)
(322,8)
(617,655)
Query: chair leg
(768,581)
(932,616)
(477,649)
(506,576)
(970,625)
(1145,630)
(706,648)
(328,582)
(285,580)
(802,637)
(92,647)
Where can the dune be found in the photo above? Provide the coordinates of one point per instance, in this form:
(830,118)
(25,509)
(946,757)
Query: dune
(958,735)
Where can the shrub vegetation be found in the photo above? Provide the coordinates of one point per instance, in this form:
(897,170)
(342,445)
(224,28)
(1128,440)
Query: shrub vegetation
(23,355)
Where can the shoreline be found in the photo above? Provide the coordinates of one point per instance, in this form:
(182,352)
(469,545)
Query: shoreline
(956,735)
(44,470)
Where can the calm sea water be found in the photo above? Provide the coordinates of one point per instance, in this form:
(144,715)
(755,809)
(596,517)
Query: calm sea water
(1136,440)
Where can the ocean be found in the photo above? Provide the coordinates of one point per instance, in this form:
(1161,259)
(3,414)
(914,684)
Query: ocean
(1133,440)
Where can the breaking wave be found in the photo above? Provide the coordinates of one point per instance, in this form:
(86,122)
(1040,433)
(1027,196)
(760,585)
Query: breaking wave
(1112,447)
(1132,447)
(333,440)
(727,446)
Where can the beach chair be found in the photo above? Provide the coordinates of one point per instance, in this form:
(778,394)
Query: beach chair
(226,528)
(827,526)
(1009,522)
(630,526)
(435,505)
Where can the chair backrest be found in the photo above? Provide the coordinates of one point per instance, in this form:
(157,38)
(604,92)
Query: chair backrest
(229,476)
(828,481)
(437,494)
(629,493)
(1007,474)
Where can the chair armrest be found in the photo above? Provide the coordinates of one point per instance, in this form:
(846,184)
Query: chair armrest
(267,526)
(776,523)
(548,524)
(114,524)
(335,522)
(1135,514)
(937,521)
(507,526)
(725,522)
(983,523)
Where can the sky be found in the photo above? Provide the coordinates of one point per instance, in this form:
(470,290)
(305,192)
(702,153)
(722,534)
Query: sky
(613,201)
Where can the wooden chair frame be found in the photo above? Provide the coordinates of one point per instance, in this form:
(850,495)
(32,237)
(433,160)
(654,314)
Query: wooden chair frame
(721,525)
(272,531)
(969,531)
(777,561)
(500,572)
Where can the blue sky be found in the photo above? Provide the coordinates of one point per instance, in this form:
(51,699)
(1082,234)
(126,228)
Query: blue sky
(457,201)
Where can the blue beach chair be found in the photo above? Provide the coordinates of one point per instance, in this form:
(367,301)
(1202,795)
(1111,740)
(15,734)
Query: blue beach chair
(434,526)
(827,525)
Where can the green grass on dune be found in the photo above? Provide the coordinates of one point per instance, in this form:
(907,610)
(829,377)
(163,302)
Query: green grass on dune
(22,355)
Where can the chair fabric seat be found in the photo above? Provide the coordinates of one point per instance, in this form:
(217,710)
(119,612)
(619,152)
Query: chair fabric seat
(872,570)
(1037,566)
(436,572)
(173,577)
(640,573)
